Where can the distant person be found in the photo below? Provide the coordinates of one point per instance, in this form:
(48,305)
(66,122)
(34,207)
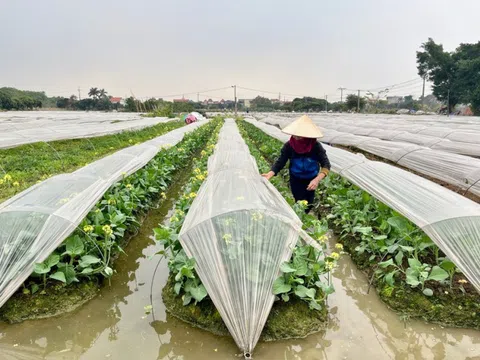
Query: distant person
(309,163)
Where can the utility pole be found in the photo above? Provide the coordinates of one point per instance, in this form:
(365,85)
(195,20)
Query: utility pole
(326,103)
(341,93)
(358,102)
(235,96)
(448,103)
(79,94)
(423,91)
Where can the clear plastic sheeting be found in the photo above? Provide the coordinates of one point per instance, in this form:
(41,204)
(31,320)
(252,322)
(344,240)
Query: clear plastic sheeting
(18,128)
(239,230)
(450,220)
(36,221)
(461,171)
(459,135)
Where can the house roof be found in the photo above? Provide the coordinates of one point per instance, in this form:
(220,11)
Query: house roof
(115,100)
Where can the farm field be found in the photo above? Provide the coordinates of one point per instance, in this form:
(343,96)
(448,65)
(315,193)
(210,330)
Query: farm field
(366,271)
(25,127)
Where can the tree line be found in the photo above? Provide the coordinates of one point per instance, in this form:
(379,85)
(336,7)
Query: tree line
(14,99)
(455,75)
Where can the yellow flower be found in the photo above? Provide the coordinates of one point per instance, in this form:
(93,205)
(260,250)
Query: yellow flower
(88,228)
(179,212)
(129,186)
(203,153)
(7,178)
(323,238)
(462,281)
(227,238)
(163,195)
(192,195)
(173,219)
(205,173)
(303,202)
(329,265)
(256,216)
(200,177)
(111,147)
(197,171)
(16,184)
(181,149)
(2,181)
(339,246)
(130,141)
(107,230)
(335,255)
(111,202)
(211,146)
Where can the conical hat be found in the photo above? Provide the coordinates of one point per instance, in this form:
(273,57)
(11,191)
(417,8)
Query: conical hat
(303,127)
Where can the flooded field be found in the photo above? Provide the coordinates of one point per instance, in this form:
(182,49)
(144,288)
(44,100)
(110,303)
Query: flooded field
(114,325)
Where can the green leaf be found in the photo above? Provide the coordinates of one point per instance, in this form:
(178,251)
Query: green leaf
(35,288)
(399,223)
(327,289)
(198,293)
(303,292)
(87,271)
(314,305)
(75,246)
(60,276)
(412,278)
(285,297)
(447,265)
(187,298)
(385,264)
(280,287)
(300,265)
(428,292)
(178,286)
(399,258)
(365,230)
(390,278)
(52,260)
(414,263)
(438,274)
(286,268)
(380,237)
(41,268)
(88,260)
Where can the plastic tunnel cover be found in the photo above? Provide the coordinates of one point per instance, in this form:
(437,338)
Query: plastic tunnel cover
(36,221)
(450,220)
(239,230)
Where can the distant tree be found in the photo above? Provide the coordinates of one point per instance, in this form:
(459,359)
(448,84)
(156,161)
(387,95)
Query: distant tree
(94,92)
(130,105)
(261,104)
(352,102)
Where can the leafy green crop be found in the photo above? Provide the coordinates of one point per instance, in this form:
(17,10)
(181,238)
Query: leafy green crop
(88,251)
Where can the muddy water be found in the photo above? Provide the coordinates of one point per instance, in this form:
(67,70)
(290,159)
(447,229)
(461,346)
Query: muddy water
(114,325)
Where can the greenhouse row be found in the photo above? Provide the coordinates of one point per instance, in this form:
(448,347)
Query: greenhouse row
(450,220)
(463,172)
(34,222)
(26,128)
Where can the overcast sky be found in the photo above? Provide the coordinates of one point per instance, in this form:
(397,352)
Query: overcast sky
(158,48)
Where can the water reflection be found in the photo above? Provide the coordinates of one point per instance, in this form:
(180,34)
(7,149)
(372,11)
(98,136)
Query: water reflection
(114,325)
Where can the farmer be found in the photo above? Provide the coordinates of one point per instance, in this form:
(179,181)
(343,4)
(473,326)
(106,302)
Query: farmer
(308,159)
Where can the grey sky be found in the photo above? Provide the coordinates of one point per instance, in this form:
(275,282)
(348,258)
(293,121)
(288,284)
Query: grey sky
(158,48)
